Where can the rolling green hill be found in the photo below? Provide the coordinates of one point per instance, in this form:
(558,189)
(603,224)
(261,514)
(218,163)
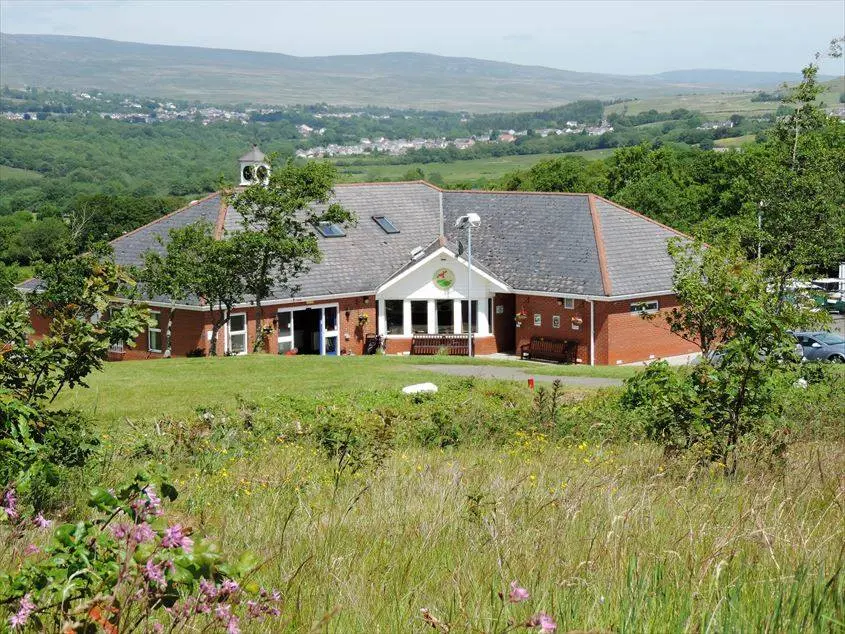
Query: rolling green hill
(389,79)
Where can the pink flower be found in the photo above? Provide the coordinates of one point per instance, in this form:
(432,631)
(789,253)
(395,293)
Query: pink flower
(208,588)
(517,593)
(155,574)
(41,522)
(142,533)
(31,549)
(120,531)
(10,504)
(20,617)
(229,587)
(175,538)
(544,622)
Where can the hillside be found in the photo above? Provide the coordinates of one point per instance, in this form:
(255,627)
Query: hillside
(389,79)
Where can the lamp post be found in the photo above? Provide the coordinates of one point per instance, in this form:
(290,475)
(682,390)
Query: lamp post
(469,221)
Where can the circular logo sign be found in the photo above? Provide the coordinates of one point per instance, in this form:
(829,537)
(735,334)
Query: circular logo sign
(444,279)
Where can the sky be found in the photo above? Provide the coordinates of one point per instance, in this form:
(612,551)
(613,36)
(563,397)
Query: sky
(601,36)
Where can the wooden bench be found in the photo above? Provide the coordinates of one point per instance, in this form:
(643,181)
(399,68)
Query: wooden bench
(550,349)
(454,345)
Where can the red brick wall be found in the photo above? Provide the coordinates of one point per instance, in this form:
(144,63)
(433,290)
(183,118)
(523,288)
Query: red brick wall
(547,308)
(187,334)
(630,338)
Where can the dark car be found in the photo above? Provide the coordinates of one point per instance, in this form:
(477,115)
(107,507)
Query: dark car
(822,346)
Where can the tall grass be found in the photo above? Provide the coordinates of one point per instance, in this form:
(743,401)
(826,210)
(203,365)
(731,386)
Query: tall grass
(604,539)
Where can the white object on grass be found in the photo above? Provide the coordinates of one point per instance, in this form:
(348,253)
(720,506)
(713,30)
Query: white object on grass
(419,388)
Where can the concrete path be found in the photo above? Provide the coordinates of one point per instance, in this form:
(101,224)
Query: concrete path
(517,374)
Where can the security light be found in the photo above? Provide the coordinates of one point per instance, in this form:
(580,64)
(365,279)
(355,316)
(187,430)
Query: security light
(472,220)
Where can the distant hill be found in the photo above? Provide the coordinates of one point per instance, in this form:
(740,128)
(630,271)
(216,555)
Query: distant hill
(389,79)
(737,79)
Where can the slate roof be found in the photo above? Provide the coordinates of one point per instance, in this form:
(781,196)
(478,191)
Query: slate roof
(635,250)
(538,242)
(567,244)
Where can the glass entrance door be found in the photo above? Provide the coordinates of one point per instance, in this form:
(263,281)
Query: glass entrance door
(308,331)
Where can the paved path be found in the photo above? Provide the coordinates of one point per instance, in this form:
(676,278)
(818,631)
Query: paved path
(517,374)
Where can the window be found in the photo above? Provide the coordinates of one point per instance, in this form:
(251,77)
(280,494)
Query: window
(465,317)
(445,316)
(395,314)
(330,230)
(154,333)
(644,307)
(237,334)
(385,224)
(568,303)
(419,317)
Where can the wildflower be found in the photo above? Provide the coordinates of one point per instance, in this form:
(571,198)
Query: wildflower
(120,531)
(10,504)
(141,533)
(41,522)
(544,622)
(20,617)
(229,587)
(518,594)
(32,549)
(155,574)
(208,589)
(174,537)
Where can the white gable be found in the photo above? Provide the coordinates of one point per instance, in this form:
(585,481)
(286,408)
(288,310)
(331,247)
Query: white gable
(441,275)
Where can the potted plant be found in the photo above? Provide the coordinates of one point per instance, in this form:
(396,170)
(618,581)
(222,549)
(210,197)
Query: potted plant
(363,319)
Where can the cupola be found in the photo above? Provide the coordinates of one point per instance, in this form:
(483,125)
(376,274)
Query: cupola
(254,167)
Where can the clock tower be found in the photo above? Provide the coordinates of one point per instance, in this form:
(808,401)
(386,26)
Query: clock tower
(254,167)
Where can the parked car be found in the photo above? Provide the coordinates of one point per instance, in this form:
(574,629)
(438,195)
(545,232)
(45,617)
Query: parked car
(716,356)
(822,346)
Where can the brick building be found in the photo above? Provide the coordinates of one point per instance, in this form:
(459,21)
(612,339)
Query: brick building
(572,267)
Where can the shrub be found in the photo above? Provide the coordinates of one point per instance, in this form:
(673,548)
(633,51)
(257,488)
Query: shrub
(130,566)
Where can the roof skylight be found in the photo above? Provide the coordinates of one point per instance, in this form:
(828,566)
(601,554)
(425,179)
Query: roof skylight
(385,224)
(330,230)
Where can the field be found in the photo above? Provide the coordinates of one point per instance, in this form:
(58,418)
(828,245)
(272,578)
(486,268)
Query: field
(734,142)
(467,496)
(719,105)
(457,171)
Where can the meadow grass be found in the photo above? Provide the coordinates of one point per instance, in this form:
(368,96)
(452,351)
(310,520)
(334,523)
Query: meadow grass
(606,536)
(8,172)
(605,539)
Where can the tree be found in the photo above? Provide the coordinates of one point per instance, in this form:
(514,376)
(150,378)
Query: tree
(798,190)
(78,296)
(733,397)
(275,242)
(196,263)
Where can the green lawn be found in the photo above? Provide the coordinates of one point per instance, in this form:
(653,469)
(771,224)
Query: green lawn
(476,169)
(177,387)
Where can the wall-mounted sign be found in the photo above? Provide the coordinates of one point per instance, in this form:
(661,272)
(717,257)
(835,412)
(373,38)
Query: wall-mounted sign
(444,279)
(500,310)
(555,321)
(538,319)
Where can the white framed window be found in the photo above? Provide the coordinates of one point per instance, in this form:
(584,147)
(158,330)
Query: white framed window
(237,334)
(394,316)
(154,332)
(568,303)
(645,307)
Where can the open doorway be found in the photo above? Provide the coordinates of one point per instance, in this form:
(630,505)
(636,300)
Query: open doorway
(306,331)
